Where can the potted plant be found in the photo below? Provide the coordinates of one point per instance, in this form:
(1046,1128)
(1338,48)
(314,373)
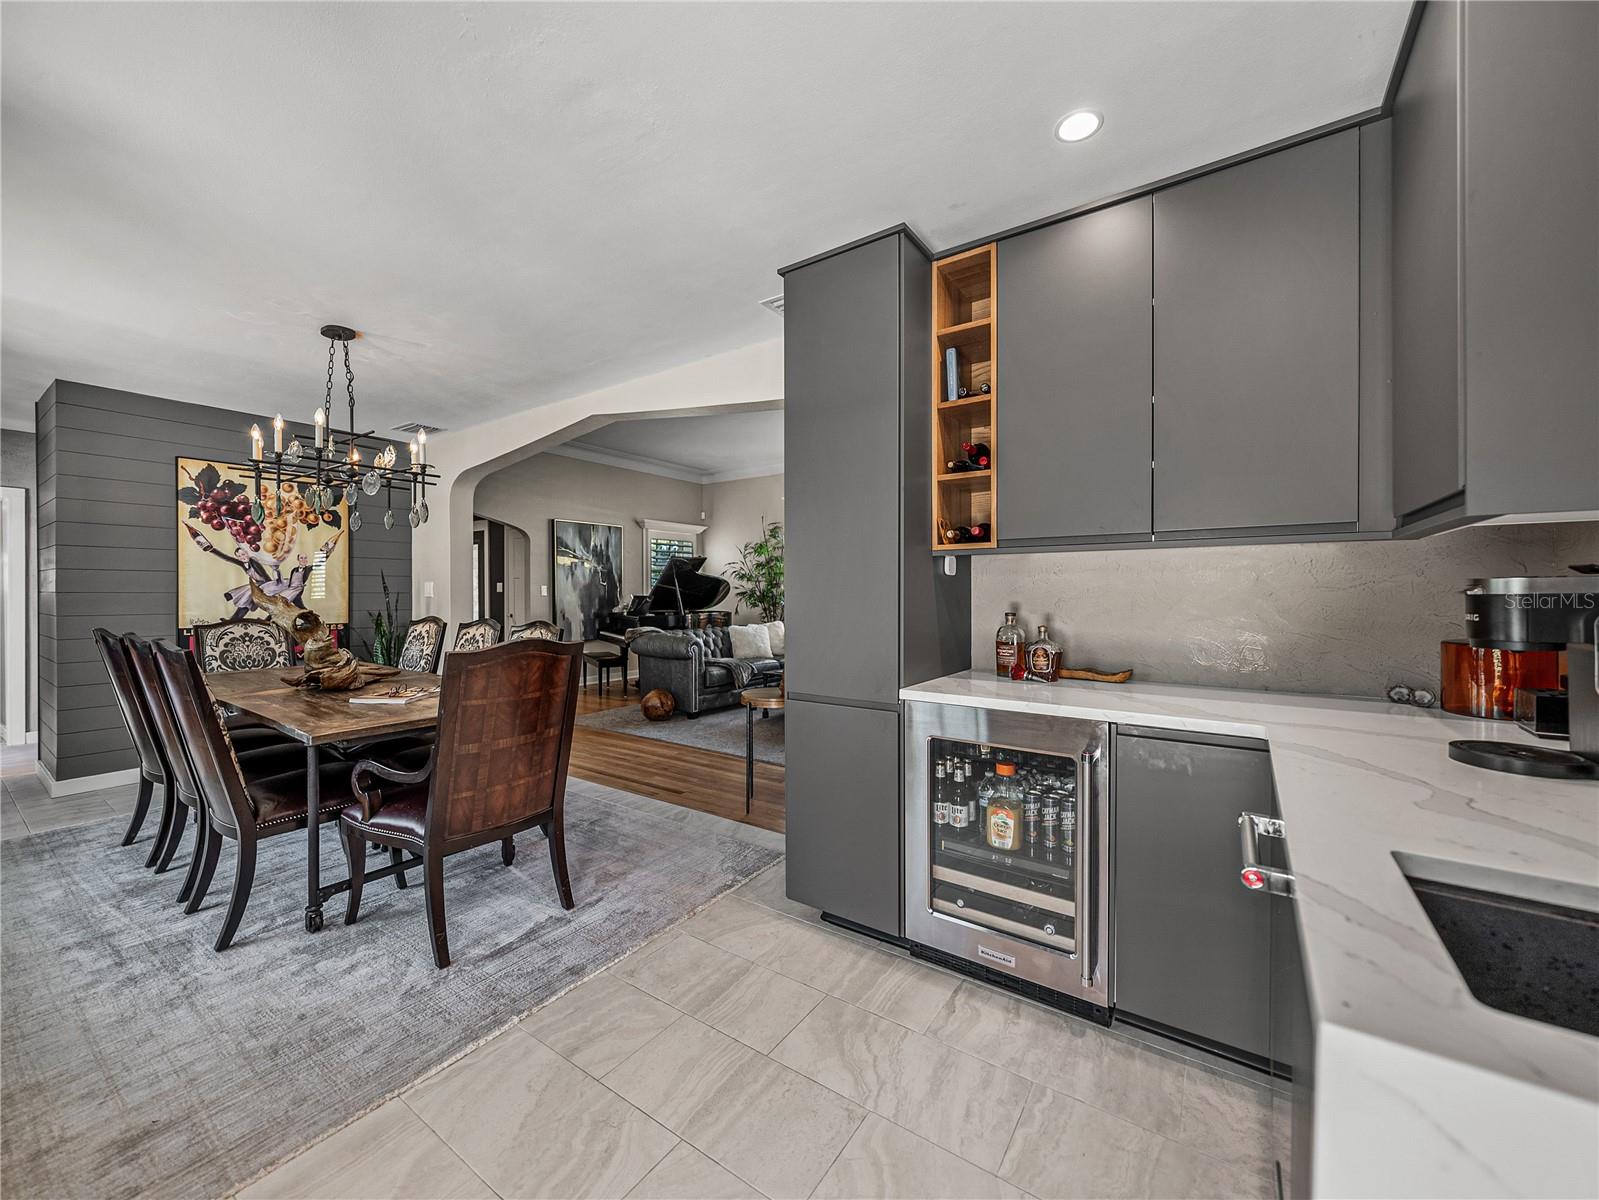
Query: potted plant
(758,574)
(386,632)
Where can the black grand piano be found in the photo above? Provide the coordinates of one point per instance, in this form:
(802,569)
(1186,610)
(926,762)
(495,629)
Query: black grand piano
(684,597)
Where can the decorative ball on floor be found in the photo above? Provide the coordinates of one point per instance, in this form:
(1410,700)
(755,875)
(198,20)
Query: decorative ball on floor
(657,705)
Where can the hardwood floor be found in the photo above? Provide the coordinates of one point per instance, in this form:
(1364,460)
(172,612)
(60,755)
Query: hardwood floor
(685,775)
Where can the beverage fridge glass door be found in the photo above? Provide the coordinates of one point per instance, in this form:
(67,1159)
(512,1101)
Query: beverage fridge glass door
(1003,839)
(1006,817)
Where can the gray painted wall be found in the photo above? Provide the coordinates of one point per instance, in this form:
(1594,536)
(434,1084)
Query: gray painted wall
(108,552)
(19,468)
(1343,618)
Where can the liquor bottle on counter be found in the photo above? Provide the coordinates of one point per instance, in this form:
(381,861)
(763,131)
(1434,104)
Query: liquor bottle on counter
(1003,831)
(1009,645)
(1043,658)
(977,454)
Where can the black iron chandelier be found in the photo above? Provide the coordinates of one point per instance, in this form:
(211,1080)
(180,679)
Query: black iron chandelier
(342,463)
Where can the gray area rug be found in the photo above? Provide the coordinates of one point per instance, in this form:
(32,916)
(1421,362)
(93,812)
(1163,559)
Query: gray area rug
(135,1060)
(721,731)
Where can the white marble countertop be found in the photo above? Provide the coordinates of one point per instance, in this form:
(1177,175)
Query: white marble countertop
(1420,1089)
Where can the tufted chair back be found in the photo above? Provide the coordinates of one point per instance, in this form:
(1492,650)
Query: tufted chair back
(713,641)
(247,645)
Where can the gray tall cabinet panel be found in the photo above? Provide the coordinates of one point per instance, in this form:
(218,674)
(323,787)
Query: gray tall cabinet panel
(1074,358)
(868,608)
(841,335)
(1257,343)
(1496,263)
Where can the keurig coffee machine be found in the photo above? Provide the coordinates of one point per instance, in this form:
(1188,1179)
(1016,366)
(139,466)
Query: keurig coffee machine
(1532,617)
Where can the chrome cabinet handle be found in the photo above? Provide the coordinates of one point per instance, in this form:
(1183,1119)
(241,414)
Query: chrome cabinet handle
(1084,855)
(1253,875)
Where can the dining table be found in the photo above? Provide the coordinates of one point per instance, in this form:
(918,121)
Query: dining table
(321,721)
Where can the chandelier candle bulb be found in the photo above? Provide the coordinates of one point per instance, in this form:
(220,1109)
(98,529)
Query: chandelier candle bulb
(422,446)
(255,442)
(277,434)
(413,453)
(321,428)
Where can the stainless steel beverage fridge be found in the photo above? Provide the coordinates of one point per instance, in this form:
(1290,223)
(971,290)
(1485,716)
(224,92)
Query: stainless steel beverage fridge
(1007,845)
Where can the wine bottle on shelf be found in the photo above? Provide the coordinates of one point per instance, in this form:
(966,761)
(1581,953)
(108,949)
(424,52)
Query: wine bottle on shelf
(985,389)
(957,465)
(979,532)
(955,534)
(977,453)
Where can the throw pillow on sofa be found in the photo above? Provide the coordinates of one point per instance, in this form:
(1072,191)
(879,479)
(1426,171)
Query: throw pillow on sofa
(774,634)
(749,641)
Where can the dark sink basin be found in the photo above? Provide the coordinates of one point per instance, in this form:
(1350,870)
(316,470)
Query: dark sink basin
(1529,957)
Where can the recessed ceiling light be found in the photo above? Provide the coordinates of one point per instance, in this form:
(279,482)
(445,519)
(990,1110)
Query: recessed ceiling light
(1075,126)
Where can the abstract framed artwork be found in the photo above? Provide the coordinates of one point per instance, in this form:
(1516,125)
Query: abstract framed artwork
(290,552)
(585,575)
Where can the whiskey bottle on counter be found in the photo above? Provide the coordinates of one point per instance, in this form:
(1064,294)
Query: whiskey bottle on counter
(1043,658)
(1009,644)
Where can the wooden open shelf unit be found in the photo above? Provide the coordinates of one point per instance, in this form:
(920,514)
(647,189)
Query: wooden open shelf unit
(963,318)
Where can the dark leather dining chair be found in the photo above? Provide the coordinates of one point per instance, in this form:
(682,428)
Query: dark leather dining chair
(261,753)
(237,806)
(497,769)
(152,767)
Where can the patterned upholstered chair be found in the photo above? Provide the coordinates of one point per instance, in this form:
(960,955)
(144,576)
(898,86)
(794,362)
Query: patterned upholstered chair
(534,629)
(505,738)
(247,645)
(477,635)
(424,642)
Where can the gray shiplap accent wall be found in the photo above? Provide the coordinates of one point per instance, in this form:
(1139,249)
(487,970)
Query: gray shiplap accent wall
(108,552)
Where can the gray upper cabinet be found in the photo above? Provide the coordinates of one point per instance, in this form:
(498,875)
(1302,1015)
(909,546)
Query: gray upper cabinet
(1257,344)
(1496,263)
(1427,413)
(1074,366)
(841,434)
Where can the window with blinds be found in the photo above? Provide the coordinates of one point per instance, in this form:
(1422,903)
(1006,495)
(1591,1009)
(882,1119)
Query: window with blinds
(663,547)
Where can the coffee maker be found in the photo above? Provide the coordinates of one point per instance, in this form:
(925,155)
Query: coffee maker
(1541,614)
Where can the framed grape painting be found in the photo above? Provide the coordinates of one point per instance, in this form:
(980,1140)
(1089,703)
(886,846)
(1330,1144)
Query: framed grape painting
(285,547)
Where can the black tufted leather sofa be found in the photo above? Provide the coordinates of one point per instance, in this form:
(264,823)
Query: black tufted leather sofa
(685,663)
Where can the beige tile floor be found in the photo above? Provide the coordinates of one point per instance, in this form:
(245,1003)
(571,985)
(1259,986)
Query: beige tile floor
(753,1051)
(25,807)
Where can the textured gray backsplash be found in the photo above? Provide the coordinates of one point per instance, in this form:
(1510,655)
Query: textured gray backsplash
(1340,618)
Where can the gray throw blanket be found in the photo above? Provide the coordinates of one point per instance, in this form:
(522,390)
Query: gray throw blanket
(743,669)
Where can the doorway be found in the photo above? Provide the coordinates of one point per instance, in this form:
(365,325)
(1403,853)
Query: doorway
(14,613)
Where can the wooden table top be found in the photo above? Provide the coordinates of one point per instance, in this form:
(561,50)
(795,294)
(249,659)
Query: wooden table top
(317,718)
(771,697)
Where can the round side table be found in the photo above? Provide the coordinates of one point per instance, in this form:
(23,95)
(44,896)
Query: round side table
(766,699)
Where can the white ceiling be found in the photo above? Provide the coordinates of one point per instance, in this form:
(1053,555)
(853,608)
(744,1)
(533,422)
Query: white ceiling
(521,202)
(699,449)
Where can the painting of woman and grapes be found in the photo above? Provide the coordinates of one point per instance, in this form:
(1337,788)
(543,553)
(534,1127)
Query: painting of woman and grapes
(288,549)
